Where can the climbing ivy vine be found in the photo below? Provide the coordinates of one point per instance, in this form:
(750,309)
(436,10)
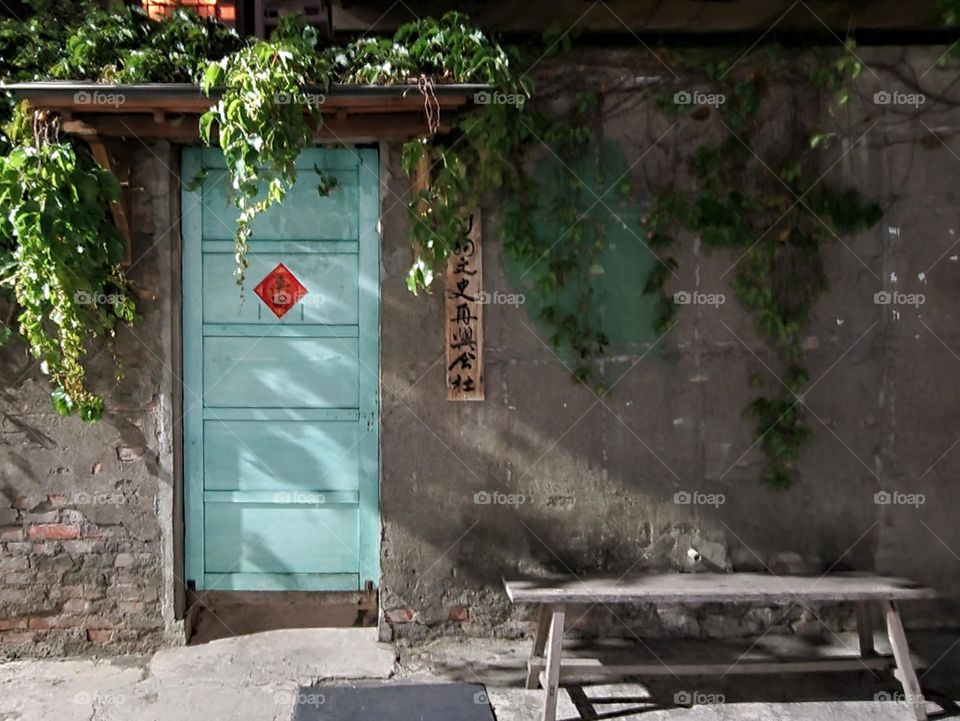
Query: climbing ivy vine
(562,270)
(64,269)
(264,119)
(776,215)
(58,248)
(266,115)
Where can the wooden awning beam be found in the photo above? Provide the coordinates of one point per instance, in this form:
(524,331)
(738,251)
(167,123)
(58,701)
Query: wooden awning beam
(184,128)
(118,208)
(170,111)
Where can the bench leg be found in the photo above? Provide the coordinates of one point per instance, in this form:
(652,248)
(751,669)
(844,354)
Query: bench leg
(539,644)
(901,654)
(551,680)
(865,628)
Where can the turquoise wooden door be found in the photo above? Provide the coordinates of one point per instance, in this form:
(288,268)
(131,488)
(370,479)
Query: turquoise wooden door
(281,388)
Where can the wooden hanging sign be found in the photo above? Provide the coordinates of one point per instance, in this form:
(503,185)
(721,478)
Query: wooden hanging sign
(463,293)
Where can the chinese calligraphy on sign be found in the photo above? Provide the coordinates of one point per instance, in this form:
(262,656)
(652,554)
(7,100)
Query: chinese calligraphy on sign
(464,326)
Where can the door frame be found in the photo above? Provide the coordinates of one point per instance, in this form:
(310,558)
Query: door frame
(194,160)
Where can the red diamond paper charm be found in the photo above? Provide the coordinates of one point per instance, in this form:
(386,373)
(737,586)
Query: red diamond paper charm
(280,290)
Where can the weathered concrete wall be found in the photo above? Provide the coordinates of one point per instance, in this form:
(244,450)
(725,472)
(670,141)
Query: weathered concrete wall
(86,532)
(599,477)
(89,514)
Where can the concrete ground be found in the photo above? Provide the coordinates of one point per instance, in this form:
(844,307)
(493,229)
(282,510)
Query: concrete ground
(257,677)
(794,697)
(253,677)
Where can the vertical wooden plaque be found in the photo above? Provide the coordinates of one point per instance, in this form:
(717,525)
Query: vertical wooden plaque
(463,292)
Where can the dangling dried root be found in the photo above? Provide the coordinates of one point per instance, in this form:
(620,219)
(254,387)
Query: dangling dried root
(431,106)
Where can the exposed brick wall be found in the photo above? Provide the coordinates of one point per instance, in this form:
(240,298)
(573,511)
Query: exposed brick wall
(85,509)
(68,581)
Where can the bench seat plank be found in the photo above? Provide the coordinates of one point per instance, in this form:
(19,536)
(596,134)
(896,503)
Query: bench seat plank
(580,669)
(715,587)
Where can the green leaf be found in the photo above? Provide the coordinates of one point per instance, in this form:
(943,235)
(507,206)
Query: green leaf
(61,402)
(206,122)
(213,76)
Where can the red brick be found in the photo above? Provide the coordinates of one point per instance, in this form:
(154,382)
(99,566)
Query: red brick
(54,531)
(459,613)
(58,501)
(400,615)
(20,502)
(99,635)
(15,636)
(44,622)
(9,624)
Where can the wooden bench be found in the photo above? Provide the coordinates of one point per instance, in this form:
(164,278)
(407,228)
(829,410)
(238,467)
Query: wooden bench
(868,592)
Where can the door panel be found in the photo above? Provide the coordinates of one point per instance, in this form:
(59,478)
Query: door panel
(315,455)
(334,217)
(269,538)
(281,414)
(281,372)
